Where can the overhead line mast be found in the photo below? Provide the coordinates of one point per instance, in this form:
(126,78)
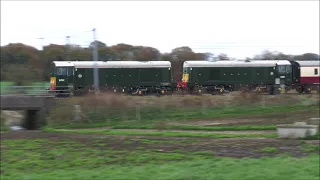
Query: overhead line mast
(95,58)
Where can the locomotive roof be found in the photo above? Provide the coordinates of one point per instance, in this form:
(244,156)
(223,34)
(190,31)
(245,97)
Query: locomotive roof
(63,63)
(252,63)
(315,63)
(114,64)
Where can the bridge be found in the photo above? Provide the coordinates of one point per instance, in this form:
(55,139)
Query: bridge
(36,106)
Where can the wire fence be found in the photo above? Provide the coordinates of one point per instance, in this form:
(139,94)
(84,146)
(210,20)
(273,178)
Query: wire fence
(110,109)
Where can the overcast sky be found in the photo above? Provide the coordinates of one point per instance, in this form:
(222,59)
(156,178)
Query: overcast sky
(238,28)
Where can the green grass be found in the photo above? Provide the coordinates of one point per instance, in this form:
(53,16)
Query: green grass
(138,125)
(4,89)
(267,150)
(51,160)
(204,128)
(38,90)
(3,127)
(162,133)
(150,116)
(314,137)
(310,148)
(33,90)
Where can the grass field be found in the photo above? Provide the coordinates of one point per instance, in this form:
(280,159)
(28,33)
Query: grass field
(150,112)
(6,89)
(191,137)
(66,156)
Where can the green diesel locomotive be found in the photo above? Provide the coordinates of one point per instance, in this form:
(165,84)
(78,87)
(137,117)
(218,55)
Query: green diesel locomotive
(225,76)
(134,77)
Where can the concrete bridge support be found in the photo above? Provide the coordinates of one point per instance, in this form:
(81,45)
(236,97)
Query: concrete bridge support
(36,108)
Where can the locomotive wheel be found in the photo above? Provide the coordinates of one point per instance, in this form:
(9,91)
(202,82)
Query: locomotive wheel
(299,90)
(218,92)
(178,92)
(274,91)
(286,90)
(214,92)
(192,91)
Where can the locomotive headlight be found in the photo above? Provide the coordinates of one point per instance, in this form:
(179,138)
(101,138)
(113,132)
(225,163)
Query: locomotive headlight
(140,92)
(221,90)
(122,90)
(162,91)
(199,90)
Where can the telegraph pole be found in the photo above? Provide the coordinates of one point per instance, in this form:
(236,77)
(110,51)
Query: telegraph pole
(41,42)
(68,48)
(67,40)
(95,58)
(41,52)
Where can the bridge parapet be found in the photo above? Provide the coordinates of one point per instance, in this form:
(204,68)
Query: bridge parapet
(21,102)
(36,107)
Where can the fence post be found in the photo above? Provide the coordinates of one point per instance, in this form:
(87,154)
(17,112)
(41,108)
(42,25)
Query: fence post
(138,115)
(204,106)
(77,113)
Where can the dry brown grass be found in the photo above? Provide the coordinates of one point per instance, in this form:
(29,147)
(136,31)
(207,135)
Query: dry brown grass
(112,105)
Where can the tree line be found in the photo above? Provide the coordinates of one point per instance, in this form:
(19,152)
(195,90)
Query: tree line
(24,64)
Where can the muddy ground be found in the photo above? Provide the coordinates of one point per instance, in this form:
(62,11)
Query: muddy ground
(231,147)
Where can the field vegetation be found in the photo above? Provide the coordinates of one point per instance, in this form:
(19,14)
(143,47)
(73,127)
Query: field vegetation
(183,112)
(67,156)
(171,137)
(31,88)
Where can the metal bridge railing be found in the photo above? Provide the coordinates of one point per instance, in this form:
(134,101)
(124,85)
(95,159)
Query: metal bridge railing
(31,90)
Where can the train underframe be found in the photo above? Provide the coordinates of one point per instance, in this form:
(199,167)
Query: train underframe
(305,88)
(219,89)
(137,90)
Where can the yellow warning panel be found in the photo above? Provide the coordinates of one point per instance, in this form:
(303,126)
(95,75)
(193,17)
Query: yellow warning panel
(53,81)
(185,78)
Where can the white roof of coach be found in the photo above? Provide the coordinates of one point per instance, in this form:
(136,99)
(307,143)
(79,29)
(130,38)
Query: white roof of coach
(115,64)
(315,63)
(252,63)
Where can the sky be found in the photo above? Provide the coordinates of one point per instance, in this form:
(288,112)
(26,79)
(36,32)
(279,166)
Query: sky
(238,28)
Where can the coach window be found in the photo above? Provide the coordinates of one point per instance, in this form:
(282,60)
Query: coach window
(315,71)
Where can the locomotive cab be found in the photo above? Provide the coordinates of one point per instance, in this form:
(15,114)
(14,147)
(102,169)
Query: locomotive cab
(295,72)
(285,74)
(61,76)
